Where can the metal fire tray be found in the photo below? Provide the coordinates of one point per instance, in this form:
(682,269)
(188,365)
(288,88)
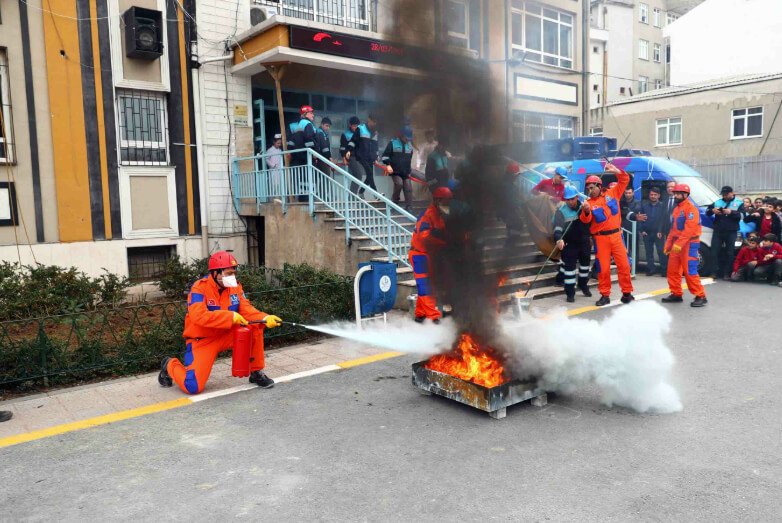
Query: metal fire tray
(492,400)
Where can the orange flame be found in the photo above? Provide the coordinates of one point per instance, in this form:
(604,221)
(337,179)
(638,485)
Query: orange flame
(470,362)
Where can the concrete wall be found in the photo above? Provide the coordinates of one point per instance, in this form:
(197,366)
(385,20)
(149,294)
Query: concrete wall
(706,122)
(722,38)
(654,35)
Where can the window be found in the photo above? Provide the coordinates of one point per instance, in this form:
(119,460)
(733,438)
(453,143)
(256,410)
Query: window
(148,263)
(457,21)
(747,123)
(667,53)
(596,131)
(6,143)
(530,127)
(143,128)
(657,53)
(658,17)
(643,84)
(669,131)
(546,35)
(621,90)
(671,18)
(595,49)
(643,49)
(643,13)
(8,211)
(658,84)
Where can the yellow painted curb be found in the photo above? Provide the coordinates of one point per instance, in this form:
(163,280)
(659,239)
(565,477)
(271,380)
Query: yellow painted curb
(94,422)
(369,359)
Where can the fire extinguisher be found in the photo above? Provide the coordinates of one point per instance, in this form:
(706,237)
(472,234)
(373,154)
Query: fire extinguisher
(243,345)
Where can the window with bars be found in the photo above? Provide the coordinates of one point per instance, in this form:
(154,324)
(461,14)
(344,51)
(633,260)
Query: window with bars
(545,34)
(6,129)
(148,263)
(358,14)
(747,123)
(143,128)
(531,127)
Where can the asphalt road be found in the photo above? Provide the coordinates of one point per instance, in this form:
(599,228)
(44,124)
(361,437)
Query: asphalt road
(363,444)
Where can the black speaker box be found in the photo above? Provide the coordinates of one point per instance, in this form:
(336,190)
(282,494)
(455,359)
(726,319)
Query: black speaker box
(143,33)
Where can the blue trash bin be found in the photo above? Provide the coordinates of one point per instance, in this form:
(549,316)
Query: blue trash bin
(377,288)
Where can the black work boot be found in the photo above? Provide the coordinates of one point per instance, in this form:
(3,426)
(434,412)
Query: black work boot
(586,291)
(261,379)
(672,298)
(570,298)
(436,321)
(163,378)
(627,298)
(420,319)
(699,301)
(5,415)
(604,300)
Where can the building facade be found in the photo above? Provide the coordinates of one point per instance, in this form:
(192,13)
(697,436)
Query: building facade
(97,150)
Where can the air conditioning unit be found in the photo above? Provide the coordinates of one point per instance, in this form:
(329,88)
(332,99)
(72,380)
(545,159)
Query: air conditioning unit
(143,33)
(261,13)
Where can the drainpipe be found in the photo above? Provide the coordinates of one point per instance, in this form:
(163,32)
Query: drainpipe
(584,67)
(202,174)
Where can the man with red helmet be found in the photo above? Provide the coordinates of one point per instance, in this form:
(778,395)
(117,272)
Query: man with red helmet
(682,249)
(602,212)
(215,304)
(428,237)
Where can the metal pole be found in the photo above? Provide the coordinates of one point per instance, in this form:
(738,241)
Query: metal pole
(584,67)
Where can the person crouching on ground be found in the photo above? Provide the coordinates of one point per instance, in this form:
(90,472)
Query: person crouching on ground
(770,260)
(746,260)
(216,304)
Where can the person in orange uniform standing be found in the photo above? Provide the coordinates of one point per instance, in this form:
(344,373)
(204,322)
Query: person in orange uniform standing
(602,212)
(215,304)
(682,246)
(428,237)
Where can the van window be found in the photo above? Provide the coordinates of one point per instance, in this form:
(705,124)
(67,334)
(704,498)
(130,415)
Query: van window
(609,178)
(648,184)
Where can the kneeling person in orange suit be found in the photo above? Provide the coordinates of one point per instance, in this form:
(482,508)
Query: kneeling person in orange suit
(215,304)
(682,249)
(428,237)
(603,214)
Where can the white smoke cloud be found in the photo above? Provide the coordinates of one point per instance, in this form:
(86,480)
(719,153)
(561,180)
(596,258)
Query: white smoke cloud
(400,335)
(625,355)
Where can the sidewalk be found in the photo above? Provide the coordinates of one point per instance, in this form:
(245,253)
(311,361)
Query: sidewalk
(115,397)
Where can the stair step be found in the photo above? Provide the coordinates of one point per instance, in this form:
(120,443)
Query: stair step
(546,292)
(396,217)
(367,238)
(372,248)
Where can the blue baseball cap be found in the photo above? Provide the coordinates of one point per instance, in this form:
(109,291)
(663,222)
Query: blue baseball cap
(561,171)
(454,184)
(570,192)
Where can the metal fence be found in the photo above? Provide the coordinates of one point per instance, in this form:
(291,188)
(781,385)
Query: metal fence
(745,175)
(357,14)
(67,348)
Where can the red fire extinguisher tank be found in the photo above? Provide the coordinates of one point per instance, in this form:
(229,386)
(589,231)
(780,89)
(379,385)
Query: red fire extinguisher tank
(243,345)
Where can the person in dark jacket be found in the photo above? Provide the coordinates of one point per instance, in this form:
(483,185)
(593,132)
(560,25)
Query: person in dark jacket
(766,220)
(398,157)
(364,149)
(650,230)
(575,242)
(437,173)
(323,144)
(727,213)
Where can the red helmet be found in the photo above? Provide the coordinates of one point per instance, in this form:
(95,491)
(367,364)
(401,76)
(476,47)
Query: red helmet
(594,179)
(306,109)
(681,187)
(513,168)
(442,193)
(222,260)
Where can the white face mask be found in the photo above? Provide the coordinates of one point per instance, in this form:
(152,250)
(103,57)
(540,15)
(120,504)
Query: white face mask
(230,281)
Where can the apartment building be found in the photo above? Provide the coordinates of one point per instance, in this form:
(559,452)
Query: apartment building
(97,144)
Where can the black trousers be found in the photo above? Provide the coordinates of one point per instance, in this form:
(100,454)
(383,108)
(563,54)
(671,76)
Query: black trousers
(576,258)
(771,272)
(367,169)
(723,252)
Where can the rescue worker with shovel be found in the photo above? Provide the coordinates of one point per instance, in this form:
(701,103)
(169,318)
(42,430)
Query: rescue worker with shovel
(601,211)
(428,237)
(573,240)
(215,304)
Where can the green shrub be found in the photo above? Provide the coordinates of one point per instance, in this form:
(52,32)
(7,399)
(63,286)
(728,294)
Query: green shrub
(112,289)
(179,276)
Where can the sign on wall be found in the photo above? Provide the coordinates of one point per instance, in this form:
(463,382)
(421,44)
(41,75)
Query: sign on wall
(556,91)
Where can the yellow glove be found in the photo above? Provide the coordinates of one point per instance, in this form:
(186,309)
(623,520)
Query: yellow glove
(272,321)
(666,252)
(676,249)
(239,319)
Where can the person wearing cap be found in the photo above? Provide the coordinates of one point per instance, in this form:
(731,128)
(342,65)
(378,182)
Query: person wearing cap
(650,214)
(601,212)
(364,149)
(323,144)
(274,157)
(574,242)
(726,213)
(682,248)
(429,238)
(215,304)
(398,157)
(554,186)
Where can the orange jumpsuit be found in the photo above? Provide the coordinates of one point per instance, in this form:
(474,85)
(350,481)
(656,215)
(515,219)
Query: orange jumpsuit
(427,236)
(208,331)
(685,233)
(605,222)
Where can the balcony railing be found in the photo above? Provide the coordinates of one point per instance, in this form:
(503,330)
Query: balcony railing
(356,14)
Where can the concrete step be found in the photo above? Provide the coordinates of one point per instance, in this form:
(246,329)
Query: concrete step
(546,292)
